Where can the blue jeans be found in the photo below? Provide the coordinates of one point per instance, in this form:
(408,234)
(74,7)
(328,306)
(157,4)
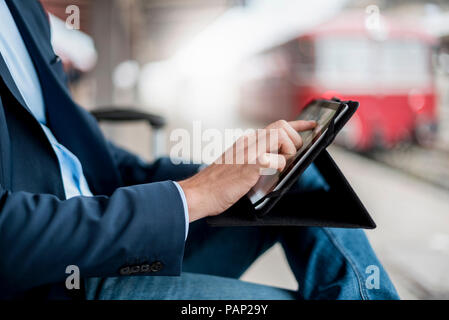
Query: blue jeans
(328,263)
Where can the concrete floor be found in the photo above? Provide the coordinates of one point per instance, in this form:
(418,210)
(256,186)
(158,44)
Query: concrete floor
(412,237)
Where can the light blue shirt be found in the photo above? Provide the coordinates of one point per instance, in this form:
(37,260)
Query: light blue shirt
(20,65)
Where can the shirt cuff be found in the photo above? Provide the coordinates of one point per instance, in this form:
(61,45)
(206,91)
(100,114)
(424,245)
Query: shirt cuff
(186,208)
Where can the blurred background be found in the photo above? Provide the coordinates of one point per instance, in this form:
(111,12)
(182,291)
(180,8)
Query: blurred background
(243,64)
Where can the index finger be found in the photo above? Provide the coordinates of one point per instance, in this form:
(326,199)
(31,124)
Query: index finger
(302,125)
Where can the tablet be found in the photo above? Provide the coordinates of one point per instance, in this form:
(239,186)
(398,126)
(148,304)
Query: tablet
(326,113)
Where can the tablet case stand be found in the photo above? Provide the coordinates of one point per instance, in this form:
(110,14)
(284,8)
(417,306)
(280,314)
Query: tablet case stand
(339,207)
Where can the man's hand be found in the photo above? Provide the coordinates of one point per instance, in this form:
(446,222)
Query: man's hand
(230,177)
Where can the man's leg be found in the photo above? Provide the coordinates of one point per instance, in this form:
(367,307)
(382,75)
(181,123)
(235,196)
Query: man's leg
(328,264)
(333,264)
(188,286)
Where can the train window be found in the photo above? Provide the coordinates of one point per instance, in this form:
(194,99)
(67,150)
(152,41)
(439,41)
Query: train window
(344,60)
(404,62)
(362,62)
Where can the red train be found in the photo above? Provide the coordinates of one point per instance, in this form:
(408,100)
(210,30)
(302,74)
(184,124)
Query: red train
(389,72)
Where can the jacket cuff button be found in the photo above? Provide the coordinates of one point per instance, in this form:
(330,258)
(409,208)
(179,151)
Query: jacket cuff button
(125,271)
(145,268)
(156,266)
(135,269)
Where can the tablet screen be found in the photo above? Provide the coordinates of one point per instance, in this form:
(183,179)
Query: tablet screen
(320,111)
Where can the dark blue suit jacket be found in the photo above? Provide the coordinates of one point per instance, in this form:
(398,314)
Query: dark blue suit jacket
(128,225)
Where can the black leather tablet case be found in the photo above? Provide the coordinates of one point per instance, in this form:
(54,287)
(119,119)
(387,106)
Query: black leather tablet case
(338,207)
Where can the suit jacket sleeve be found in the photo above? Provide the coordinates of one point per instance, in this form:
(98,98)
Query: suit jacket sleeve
(40,235)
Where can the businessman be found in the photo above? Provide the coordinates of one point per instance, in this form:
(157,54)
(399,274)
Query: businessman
(136,230)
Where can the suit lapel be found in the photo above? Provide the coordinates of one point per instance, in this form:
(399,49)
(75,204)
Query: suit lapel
(5,146)
(74,127)
(9,82)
